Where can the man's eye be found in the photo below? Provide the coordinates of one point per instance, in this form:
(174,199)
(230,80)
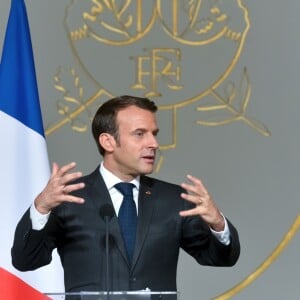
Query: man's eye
(139,133)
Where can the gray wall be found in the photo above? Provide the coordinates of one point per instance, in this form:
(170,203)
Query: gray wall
(252,175)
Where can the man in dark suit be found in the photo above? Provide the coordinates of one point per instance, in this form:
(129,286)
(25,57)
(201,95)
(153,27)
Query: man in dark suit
(66,214)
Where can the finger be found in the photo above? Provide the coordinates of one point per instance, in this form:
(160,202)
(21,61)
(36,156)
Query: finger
(70,177)
(72,187)
(189,197)
(197,185)
(190,188)
(196,181)
(194,193)
(197,200)
(73,199)
(66,168)
(190,212)
(55,168)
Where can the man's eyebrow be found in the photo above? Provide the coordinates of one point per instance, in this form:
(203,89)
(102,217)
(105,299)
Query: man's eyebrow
(156,131)
(144,129)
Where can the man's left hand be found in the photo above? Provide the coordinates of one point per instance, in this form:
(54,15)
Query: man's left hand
(204,204)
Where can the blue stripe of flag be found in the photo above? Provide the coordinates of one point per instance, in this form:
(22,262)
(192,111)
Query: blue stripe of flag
(18,86)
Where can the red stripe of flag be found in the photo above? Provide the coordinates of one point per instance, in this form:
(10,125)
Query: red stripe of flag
(13,288)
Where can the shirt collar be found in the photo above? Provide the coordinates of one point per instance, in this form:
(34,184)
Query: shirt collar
(111,179)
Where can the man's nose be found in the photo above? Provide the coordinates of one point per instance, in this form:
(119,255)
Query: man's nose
(153,142)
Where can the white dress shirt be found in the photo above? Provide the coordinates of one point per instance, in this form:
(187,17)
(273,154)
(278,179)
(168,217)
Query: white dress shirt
(116,196)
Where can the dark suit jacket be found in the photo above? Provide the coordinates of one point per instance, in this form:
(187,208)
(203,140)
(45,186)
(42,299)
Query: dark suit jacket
(78,233)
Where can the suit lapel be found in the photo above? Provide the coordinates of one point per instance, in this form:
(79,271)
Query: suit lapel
(100,196)
(146,205)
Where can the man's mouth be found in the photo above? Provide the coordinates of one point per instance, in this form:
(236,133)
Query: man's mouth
(149,158)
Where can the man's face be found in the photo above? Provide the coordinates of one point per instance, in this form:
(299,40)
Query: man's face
(134,153)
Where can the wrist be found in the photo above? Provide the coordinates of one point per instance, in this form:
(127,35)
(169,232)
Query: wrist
(219,225)
(40,207)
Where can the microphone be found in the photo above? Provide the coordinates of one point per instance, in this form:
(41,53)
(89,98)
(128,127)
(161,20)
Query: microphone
(107,212)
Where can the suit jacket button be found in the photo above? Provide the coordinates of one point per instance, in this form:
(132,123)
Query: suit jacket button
(133,279)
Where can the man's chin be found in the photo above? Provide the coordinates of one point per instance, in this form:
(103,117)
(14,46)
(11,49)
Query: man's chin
(147,170)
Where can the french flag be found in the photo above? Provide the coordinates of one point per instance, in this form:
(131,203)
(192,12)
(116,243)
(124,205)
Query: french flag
(24,164)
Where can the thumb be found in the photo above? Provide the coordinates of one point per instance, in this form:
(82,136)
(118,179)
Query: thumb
(55,168)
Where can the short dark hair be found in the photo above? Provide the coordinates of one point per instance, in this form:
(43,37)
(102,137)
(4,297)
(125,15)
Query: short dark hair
(105,119)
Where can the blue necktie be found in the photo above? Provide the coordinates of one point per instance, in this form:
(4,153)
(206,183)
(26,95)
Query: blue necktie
(127,216)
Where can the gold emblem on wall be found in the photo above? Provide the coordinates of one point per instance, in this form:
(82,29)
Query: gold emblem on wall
(178,53)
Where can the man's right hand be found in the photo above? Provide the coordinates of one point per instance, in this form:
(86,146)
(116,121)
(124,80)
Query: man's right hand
(58,188)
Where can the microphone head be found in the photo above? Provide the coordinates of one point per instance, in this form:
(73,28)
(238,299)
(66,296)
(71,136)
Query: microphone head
(107,210)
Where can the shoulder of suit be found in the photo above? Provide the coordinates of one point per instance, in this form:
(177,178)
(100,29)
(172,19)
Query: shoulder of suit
(90,178)
(154,182)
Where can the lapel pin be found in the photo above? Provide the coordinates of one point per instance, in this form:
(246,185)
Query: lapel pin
(148,193)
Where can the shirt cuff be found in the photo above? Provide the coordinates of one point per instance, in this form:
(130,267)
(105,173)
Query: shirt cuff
(38,220)
(222,236)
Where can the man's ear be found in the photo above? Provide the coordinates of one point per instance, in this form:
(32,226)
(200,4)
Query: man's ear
(107,142)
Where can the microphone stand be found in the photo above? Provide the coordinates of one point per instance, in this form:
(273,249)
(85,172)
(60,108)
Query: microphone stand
(107,257)
(107,212)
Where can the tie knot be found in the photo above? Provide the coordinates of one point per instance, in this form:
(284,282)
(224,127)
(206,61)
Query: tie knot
(125,188)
